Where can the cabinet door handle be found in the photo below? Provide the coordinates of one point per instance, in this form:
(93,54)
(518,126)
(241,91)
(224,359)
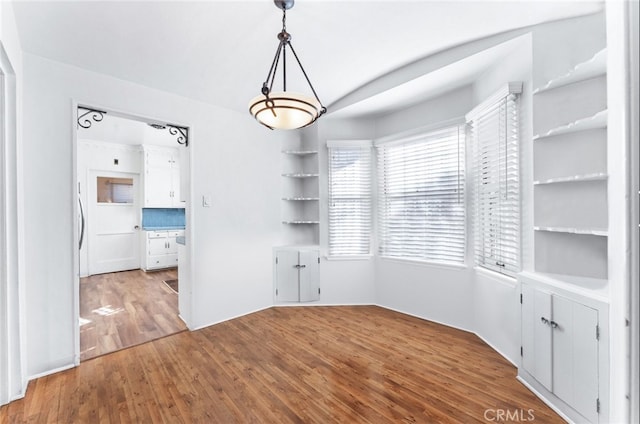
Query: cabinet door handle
(300,266)
(544,320)
(553,324)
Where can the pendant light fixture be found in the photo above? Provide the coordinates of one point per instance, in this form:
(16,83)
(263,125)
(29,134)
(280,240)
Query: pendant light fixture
(284,109)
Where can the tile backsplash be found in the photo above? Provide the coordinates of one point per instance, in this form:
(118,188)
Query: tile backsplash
(161,218)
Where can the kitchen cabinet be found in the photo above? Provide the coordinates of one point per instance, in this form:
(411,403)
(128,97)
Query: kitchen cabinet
(297,274)
(161,167)
(560,348)
(160,249)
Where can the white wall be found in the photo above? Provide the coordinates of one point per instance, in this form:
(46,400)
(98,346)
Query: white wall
(435,292)
(233,159)
(496,306)
(12,365)
(619,139)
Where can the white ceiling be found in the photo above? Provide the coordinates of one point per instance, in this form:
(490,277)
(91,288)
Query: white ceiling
(433,84)
(219,52)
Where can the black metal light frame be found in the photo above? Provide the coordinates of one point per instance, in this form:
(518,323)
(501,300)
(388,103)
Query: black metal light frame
(267,85)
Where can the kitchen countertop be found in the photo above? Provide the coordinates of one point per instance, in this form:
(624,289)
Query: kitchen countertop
(181,240)
(162,228)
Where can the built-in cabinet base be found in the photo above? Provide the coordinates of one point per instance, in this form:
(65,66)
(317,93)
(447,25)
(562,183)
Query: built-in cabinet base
(565,348)
(296,274)
(160,249)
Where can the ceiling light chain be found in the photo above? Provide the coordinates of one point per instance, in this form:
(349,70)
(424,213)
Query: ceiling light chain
(285,110)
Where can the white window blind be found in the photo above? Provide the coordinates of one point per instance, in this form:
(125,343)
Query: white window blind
(349,198)
(494,138)
(421,203)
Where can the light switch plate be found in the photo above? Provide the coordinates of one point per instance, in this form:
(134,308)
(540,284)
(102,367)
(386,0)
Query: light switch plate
(206,201)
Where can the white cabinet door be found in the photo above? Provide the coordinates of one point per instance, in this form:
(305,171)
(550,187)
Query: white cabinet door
(575,355)
(157,246)
(309,275)
(560,348)
(158,179)
(528,329)
(162,178)
(287,274)
(172,246)
(176,194)
(536,334)
(542,338)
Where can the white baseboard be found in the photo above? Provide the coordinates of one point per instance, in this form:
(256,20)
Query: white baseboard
(200,327)
(52,371)
(543,398)
(501,353)
(466,330)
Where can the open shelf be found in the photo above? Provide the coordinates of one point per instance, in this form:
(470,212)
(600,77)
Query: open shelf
(300,152)
(588,231)
(300,175)
(591,68)
(599,120)
(300,191)
(597,176)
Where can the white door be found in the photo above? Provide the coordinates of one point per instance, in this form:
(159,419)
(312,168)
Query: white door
(113,222)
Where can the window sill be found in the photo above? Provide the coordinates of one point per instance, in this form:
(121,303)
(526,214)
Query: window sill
(424,263)
(496,276)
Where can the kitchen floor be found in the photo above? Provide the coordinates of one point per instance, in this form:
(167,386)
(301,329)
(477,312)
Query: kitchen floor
(123,309)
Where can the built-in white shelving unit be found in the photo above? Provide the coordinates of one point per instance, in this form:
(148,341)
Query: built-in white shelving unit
(570,175)
(300,192)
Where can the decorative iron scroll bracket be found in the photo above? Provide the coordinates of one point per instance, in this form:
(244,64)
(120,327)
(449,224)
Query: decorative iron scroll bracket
(181,133)
(84,119)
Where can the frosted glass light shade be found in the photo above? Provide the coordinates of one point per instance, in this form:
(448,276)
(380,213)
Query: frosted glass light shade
(285,110)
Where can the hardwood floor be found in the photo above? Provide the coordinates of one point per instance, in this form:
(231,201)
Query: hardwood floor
(360,364)
(123,309)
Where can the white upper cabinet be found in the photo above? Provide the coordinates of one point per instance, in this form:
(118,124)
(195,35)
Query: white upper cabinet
(161,177)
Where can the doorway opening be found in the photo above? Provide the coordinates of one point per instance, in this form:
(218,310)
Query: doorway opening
(132,183)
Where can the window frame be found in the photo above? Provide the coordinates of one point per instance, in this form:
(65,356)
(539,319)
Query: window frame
(415,136)
(363,145)
(509,93)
